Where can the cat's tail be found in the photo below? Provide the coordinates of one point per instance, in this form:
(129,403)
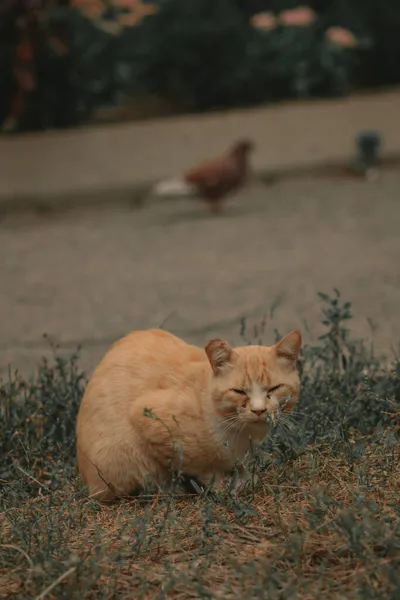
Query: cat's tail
(174,188)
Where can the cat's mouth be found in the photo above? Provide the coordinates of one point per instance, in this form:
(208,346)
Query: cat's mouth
(262,420)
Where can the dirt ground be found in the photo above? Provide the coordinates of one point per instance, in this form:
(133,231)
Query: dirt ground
(87,277)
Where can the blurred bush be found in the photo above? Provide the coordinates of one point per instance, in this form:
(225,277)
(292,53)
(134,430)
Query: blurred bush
(62,59)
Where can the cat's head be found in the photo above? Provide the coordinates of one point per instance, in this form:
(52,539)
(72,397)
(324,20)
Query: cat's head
(254,385)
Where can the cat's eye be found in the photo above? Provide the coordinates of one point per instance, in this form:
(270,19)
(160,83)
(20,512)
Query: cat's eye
(273,389)
(240,392)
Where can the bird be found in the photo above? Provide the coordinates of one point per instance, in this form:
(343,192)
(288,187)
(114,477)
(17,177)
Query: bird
(212,180)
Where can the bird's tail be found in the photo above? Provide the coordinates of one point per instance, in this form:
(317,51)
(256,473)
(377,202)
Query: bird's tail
(173,187)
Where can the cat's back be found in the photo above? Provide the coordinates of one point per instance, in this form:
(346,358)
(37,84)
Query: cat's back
(142,361)
(150,348)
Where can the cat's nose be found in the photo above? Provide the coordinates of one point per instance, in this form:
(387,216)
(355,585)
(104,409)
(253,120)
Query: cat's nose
(259,411)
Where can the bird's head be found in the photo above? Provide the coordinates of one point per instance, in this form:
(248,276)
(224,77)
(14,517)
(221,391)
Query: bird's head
(243,147)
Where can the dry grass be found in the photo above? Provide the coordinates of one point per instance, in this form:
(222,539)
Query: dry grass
(312,528)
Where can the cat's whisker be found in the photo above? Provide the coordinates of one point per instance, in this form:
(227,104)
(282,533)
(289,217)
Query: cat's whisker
(230,425)
(229,430)
(229,418)
(297,413)
(288,415)
(291,422)
(237,430)
(291,416)
(286,426)
(286,423)
(242,425)
(227,426)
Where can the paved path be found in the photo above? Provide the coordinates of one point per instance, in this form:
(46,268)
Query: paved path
(61,166)
(90,276)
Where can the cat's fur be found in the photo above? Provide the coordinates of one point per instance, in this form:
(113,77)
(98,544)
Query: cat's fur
(156,405)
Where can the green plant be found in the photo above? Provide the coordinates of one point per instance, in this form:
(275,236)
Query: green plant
(62,60)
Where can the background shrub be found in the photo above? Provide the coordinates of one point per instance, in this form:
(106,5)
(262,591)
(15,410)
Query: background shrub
(61,60)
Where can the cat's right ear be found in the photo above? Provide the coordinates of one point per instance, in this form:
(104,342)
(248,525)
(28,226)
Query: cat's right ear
(219,354)
(289,347)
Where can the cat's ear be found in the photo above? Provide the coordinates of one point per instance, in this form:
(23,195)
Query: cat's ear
(289,347)
(219,354)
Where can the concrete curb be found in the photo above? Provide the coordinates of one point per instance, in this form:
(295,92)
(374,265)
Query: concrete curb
(118,162)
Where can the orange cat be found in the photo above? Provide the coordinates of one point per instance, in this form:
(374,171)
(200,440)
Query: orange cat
(156,405)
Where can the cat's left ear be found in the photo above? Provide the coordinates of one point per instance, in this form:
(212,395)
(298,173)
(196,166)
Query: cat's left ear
(289,347)
(219,354)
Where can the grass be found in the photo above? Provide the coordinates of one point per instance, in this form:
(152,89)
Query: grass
(322,522)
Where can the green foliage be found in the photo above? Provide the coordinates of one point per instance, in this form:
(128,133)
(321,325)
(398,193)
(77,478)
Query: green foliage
(195,52)
(60,62)
(207,54)
(37,431)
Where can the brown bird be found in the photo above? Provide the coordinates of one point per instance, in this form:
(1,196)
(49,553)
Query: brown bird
(212,180)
